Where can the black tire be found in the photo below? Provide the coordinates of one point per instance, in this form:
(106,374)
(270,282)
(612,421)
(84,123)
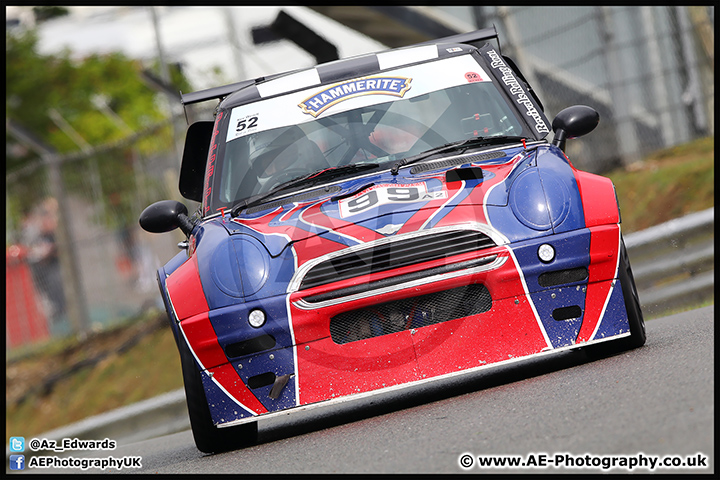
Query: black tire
(632,302)
(635,316)
(208,437)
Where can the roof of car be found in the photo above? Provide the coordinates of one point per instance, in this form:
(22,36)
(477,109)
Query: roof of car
(345,69)
(252,90)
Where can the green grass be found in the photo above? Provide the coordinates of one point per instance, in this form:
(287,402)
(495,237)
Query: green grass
(147,369)
(669,184)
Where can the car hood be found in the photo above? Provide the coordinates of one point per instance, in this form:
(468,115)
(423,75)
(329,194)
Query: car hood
(447,191)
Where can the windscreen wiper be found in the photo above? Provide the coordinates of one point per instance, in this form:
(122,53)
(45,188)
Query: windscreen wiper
(448,147)
(310,178)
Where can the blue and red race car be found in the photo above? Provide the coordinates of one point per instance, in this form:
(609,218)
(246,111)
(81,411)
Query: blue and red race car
(382,221)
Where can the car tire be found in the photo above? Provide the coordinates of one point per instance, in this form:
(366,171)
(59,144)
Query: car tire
(632,306)
(632,301)
(209,438)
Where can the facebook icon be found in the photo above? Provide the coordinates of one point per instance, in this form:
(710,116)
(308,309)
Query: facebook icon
(17,462)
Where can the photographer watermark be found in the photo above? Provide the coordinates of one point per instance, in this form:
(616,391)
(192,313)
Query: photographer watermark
(18,461)
(585,461)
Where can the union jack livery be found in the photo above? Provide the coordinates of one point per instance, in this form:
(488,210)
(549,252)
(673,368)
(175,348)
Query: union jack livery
(383,221)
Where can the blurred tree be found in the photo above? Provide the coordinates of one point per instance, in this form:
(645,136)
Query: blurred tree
(47,12)
(74,105)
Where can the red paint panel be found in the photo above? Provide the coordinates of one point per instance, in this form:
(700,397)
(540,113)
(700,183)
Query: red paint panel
(327,370)
(311,325)
(203,341)
(604,244)
(226,376)
(598,194)
(313,215)
(508,331)
(185,290)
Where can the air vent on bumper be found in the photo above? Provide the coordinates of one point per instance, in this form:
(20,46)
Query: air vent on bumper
(408,313)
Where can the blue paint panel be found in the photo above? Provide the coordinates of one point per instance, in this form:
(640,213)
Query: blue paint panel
(231,323)
(615,320)
(275,243)
(503,219)
(572,250)
(499,194)
(561,190)
(528,202)
(560,332)
(281,364)
(222,408)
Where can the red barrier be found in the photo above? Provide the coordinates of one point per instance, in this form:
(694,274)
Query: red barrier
(25,322)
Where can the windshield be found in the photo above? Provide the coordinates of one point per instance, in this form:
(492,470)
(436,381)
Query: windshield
(400,114)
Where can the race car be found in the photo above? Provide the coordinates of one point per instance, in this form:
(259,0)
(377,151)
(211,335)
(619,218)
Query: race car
(378,222)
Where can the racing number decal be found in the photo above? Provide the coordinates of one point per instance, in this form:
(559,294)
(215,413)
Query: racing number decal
(382,194)
(249,122)
(364,201)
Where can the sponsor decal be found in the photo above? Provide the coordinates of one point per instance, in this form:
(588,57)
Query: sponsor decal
(335,94)
(387,193)
(210,169)
(521,97)
(472,77)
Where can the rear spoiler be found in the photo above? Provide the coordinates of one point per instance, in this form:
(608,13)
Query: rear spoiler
(471,38)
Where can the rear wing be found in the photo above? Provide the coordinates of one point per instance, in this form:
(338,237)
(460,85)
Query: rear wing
(472,38)
(475,38)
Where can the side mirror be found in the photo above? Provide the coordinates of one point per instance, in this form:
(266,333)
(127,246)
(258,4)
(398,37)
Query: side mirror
(574,122)
(165,216)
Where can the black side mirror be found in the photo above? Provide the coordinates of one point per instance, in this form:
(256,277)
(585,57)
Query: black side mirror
(165,216)
(574,122)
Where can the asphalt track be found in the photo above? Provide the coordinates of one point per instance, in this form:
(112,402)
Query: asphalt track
(651,402)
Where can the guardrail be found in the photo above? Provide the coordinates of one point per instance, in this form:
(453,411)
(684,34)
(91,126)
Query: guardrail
(673,263)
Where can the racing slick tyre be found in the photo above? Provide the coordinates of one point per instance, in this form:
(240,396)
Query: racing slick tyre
(635,316)
(208,437)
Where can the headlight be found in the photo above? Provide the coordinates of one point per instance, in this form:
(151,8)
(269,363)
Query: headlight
(539,202)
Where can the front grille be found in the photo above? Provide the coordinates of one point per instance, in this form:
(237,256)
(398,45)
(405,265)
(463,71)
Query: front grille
(396,254)
(408,313)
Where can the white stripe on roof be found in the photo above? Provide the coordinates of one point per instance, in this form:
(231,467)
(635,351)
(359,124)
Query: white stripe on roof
(294,81)
(404,56)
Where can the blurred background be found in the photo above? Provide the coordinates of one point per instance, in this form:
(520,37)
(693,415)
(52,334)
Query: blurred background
(95,129)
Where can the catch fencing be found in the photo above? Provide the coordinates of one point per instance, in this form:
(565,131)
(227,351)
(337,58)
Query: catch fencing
(647,70)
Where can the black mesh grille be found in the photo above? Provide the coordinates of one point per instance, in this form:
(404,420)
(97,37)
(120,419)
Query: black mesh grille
(396,254)
(415,312)
(483,157)
(562,277)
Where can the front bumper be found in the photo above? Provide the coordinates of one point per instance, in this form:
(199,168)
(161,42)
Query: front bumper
(527,315)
